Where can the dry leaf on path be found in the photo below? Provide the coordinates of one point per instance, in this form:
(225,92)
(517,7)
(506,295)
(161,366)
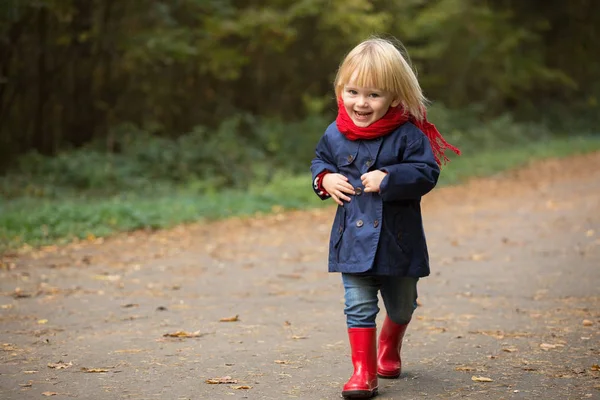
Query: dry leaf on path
(183,334)
(548,346)
(94,370)
(281,362)
(48,394)
(587,322)
(129,351)
(465,368)
(9,347)
(221,380)
(241,387)
(477,257)
(109,278)
(230,319)
(595,367)
(481,379)
(19,294)
(60,365)
(295,337)
(510,349)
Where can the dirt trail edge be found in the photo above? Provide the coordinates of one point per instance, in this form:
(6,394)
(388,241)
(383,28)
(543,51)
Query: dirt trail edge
(244,308)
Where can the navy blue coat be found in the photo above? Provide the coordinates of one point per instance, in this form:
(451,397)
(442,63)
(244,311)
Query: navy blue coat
(379,233)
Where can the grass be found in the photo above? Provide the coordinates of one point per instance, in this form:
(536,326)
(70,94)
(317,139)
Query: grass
(36,222)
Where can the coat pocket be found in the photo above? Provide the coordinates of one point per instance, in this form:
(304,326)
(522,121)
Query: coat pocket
(337,233)
(404,228)
(337,230)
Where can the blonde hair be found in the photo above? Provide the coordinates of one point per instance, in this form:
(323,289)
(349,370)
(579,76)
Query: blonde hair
(378,63)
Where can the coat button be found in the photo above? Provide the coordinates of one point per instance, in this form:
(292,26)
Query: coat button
(350,158)
(369,163)
(358,191)
(359,223)
(376,223)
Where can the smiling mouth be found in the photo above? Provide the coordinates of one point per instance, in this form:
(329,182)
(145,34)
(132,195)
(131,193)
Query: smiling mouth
(362,115)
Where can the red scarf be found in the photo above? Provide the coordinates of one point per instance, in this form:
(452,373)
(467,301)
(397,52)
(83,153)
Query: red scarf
(395,117)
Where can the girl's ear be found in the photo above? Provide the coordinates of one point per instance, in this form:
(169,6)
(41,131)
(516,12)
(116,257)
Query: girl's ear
(395,102)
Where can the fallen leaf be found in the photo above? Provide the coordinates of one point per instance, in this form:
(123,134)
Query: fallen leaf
(590,233)
(595,367)
(129,351)
(131,305)
(495,334)
(295,337)
(19,294)
(510,349)
(481,379)
(290,276)
(6,306)
(28,384)
(30,372)
(94,370)
(230,319)
(464,369)
(241,387)
(548,346)
(60,365)
(183,334)
(477,257)
(42,321)
(281,362)
(8,347)
(221,380)
(587,322)
(110,278)
(48,394)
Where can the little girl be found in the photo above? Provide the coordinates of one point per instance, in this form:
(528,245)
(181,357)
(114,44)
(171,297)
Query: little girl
(376,162)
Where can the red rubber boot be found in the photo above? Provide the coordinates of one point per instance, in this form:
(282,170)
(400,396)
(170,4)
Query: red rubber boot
(363,383)
(389,363)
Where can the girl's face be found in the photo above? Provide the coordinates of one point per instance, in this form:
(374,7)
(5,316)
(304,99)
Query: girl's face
(366,105)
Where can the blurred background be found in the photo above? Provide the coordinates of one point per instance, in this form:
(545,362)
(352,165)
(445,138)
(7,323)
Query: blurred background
(119,115)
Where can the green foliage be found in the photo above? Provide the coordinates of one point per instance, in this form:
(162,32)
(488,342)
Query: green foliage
(471,132)
(242,151)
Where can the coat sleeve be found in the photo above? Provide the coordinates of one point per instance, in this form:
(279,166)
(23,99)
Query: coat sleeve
(414,176)
(322,162)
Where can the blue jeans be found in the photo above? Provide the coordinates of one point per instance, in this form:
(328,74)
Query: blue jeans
(399,296)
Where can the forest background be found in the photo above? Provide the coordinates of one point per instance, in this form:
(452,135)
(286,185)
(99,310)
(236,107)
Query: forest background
(119,115)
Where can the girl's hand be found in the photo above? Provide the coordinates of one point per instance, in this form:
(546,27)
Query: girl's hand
(337,186)
(372,180)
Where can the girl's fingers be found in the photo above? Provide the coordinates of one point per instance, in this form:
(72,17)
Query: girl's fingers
(347,189)
(334,197)
(343,196)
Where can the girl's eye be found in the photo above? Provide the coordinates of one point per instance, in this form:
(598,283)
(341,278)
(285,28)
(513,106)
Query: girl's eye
(374,95)
(352,91)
